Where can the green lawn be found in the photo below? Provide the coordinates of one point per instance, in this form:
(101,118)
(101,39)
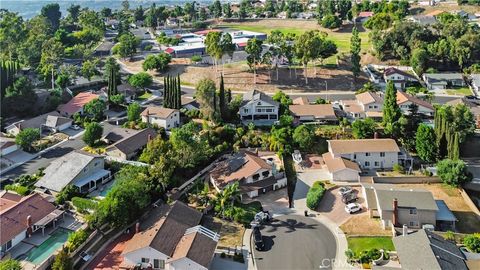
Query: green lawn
(359,244)
(145,96)
(464,91)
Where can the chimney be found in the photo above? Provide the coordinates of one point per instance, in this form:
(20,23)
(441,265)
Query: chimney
(404,230)
(395,212)
(137,227)
(29,226)
(149,137)
(375,135)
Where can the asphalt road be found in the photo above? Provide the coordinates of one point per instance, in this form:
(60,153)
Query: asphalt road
(296,242)
(44,160)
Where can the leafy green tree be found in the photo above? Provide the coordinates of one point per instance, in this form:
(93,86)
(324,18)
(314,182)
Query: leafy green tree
(331,21)
(66,194)
(26,137)
(205,94)
(53,14)
(227,10)
(424,144)
(303,137)
(19,97)
(254,51)
(141,80)
(159,62)
(127,45)
(118,99)
(363,129)
(213,46)
(133,111)
(95,109)
(10,264)
(379,21)
(391,111)
(284,99)
(419,60)
(89,69)
(453,172)
(73,13)
(355,47)
(217,9)
(93,133)
(155,149)
(368,87)
(62,261)
(279,140)
(52,51)
(112,73)
(472,242)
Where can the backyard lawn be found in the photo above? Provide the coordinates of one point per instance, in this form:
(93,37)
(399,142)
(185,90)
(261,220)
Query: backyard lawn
(359,244)
(464,91)
(145,96)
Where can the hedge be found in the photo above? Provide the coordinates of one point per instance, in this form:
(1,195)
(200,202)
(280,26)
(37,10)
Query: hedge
(75,239)
(472,242)
(315,195)
(21,190)
(84,204)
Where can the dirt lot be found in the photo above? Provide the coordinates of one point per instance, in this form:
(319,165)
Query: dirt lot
(468,222)
(364,225)
(231,233)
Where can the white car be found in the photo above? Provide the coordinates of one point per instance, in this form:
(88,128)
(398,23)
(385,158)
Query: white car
(345,190)
(75,127)
(353,208)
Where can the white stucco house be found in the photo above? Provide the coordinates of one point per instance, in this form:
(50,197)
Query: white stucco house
(163,117)
(367,104)
(258,108)
(171,238)
(405,100)
(7,145)
(400,78)
(255,173)
(437,81)
(475,85)
(341,169)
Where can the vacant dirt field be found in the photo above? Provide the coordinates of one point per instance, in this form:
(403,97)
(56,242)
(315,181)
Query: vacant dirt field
(417,9)
(363,225)
(468,221)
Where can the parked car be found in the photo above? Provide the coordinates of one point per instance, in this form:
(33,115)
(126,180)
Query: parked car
(257,236)
(75,127)
(349,197)
(345,190)
(85,256)
(353,208)
(262,217)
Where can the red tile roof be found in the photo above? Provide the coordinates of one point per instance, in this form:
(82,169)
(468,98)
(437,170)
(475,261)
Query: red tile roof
(77,103)
(169,50)
(205,32)
(365,14)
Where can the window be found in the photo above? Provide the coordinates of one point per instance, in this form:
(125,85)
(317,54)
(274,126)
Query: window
(259,103)
(413,224)
(376,164)
(413,211)
(245,110)
(145,260)
(367,163)
(259,110)
(256,176)
(354,156)
(367,154)
(269,110)
(158,264)
(7,246)
(382,154)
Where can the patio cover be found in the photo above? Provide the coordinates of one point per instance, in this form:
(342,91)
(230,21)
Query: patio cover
(49,218)
(443,213)
(93,177)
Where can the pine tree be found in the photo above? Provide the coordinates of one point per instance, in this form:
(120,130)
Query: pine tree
(214,103)
(391,111)
(355,47)
(455,147)
(221,97)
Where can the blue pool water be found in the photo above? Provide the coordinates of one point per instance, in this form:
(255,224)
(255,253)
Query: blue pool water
(39,254)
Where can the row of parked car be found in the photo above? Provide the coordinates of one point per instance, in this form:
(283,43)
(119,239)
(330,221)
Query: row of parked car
(349,198)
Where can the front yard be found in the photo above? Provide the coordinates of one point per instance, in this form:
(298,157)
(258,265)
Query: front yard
(464,91)
(48,141)
(363,225)
(359,244)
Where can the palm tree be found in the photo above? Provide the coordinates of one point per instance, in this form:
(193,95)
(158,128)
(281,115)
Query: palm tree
(227,197)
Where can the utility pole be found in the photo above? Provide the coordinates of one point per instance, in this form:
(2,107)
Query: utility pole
(326,90)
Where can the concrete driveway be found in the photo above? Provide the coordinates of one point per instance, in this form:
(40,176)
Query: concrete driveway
(332,206)
(295,242)
(276,202)
(305,180)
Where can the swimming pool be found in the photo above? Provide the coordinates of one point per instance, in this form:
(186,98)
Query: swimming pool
(104,192)
(39,254)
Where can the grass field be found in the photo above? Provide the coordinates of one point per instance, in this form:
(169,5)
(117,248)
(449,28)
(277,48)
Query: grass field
(145,96)
(342,39)
(464,91)
(359,244)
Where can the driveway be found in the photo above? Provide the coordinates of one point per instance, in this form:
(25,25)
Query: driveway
(305,180)
(332,206)
(295,242)
(276,202)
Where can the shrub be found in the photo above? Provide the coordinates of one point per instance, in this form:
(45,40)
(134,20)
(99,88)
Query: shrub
(75,239)
(472,242)
(148,47)
(10,264)
(315,195)
(453,172)
(238,257)
(66,194)
(196,58)
(84,204)
(21,190)
(398,168)
(223,255)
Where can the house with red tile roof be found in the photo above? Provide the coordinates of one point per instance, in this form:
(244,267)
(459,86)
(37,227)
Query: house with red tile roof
(76,104)
(400,78)
(405,100)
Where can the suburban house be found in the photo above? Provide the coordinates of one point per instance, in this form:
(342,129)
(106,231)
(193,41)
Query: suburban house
(363,16)
(20,217)
(368,153)
(255,173)
(472,104)
(424,249)
(76,104)
(319,113)
(163,117)
(300,101)
(190,104)
(405,100)
(127,143)
(258,108)
(341,169)
(52,122)
(128,91)
(367,104)
(438,81)
(7,145)
(423,20)
(171,238)
(401,79)
(402,206)
(79,168)
(475,85)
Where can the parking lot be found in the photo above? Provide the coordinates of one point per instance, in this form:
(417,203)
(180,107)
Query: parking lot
(295,242)
(333,207)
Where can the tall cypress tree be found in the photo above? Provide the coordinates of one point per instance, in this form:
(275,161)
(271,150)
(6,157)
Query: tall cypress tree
(229,96)
(165,92)
(391,111)
(179,93)
(455,147)
(221,97)
(355,47)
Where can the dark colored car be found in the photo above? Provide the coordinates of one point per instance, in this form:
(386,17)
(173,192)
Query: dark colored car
(257,236)
(349,197)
